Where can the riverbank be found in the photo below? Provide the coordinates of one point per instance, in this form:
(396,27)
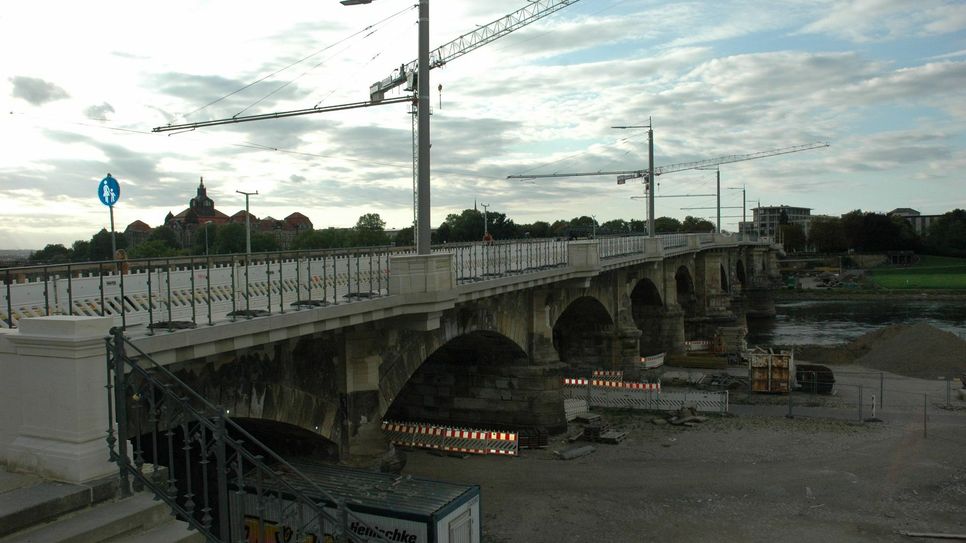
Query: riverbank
(834,294)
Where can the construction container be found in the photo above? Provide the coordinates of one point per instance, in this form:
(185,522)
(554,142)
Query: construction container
(400,508)
(770,372)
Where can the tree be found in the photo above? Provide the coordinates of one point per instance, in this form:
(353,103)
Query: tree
(615,226)
(328,238)
(667,225)
(51,254)
(538,229)
(947,235)
(263,242)
(204,238)
(695,225)
(165,235)
(558,228)
(153,248)
(370,230)
(80,251)
(827,235)
(231,239)
(853,227)
(638,225)
(880,233)
(792,237)
(101,245)
(467,226)
(404,237)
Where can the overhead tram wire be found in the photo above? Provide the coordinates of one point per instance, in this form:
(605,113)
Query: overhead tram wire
(580,153)
(358,68)
(243,144)
(297,62)
(346,46)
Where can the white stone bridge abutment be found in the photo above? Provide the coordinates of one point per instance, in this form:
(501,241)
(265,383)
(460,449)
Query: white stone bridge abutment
(489,353)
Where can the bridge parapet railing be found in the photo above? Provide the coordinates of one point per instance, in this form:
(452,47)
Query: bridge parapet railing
(475,262)
(188,291)
(617,246)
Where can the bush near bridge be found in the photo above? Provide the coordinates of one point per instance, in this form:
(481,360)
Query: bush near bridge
(930,272)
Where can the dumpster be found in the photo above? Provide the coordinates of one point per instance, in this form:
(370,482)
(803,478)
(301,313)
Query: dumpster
(400,508)
(770,372)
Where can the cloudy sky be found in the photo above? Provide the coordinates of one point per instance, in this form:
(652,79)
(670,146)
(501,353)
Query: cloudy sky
(883,81)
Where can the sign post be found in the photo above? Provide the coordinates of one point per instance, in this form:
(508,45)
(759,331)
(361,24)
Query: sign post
(109,192)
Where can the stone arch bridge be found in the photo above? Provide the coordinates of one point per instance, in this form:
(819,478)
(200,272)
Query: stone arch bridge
(486,353)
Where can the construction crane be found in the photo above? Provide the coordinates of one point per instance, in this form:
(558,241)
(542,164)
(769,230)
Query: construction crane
(624,175)
(407,73)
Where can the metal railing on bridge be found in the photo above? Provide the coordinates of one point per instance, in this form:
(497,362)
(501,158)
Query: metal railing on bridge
(482,261)
(184,292)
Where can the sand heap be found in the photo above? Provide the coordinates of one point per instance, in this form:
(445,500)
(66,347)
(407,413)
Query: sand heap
(918,350)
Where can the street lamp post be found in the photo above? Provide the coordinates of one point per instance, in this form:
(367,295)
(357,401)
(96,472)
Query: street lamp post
(206,237)
(650,173)
(248,224)
(423,232)
(486,229)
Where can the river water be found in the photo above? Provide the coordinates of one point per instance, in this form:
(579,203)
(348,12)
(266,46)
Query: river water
(830,322)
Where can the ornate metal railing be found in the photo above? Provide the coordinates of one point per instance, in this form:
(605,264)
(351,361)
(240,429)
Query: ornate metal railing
(184,292)
(173,293)
(217,475)
(479,261)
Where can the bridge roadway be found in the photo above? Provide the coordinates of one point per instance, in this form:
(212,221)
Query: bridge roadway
(327,289)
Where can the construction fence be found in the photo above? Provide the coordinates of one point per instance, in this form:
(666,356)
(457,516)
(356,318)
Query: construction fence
(643,396)
(451,439)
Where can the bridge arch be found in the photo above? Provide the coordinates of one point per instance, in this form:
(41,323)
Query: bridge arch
(476,378)
(684,288)
(723,275)
(650,316)
(584,337)
(740,273)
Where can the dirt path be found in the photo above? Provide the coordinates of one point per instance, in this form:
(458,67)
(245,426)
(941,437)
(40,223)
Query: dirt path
(755,477)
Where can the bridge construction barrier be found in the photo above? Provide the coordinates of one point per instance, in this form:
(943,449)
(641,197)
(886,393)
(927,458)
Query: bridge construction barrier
(646,396)
(607,375)
(464,440)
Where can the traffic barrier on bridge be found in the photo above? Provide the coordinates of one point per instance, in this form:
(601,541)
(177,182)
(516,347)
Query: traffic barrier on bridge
(608,375)
(464,440)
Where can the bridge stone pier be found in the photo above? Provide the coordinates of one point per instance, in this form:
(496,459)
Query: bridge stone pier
(485,353)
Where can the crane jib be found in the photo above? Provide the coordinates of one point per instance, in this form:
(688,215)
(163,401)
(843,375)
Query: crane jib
(474,39)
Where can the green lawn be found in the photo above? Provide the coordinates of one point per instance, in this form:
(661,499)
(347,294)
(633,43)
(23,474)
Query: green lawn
(937,272)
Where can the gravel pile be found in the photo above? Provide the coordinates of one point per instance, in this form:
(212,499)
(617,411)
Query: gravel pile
(917,350)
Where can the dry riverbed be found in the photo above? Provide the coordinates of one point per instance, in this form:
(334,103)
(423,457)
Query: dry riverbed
(754,477)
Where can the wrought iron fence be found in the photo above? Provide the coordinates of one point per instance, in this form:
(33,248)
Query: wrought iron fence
(185,292)
(479,262)
(616,246)
(217,474)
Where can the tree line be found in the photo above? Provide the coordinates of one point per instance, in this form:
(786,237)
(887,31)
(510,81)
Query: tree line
(856,230)
(868,232)
(369,230)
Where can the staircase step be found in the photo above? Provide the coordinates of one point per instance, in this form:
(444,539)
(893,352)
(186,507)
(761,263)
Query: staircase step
(99,523)
(173,531)
(42,501)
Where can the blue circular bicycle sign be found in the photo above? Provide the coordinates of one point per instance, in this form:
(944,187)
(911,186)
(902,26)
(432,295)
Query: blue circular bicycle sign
(108,191)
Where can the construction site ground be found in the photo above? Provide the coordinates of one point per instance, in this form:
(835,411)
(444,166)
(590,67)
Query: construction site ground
(753,475)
